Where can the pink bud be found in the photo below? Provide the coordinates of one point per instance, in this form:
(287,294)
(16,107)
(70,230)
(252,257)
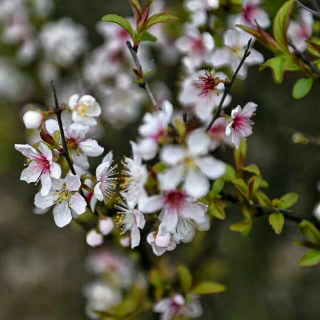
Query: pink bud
(125,241)
(106,225)
(94,238)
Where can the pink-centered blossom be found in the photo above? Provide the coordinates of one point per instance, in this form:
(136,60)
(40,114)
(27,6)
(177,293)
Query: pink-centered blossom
(41,166)
(217,133)
(241,123)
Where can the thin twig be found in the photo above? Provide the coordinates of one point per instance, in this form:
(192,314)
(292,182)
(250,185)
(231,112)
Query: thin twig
(144,85)
(316,6)
(229,85)
(315,13)
(274,209)
(301,56)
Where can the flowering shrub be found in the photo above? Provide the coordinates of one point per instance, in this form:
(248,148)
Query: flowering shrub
(172,186)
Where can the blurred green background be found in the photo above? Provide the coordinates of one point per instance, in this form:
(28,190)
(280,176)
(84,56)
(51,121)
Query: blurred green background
(41,266)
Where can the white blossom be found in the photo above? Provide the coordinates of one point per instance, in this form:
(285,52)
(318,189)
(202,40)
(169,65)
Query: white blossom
(162,243)
(41,166)
(106,225)
(65,198)
(32,119)
(241,124)
(231,54)
(84,109)
(94,238)
(217,133)
(199,9)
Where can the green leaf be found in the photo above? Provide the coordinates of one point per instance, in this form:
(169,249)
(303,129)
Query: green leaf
(276,220)
(155,278)
(230,173)
(254,184)
(217,209)
(136,5)
(307,244)
(302,87)
(160,167)
(253,169)
(185,278)
(243,227)
(240,154)
(263,199)
(308,229)
(288,200)
(208,288)
(281,24)
(159,18)
(181,128)
(310,259)
(217,186)
(278,66)
(122,22)
(241,186)
(146,36)
(314,46)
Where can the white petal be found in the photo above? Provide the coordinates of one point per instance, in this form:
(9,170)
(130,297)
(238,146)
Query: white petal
(55,170)
(211,167)
(80,160)
(195,212)
(152,204)
(72,182)
(171,178)
(52,126)
(172,154)
(46,184)
(78,203)
(97,192)
(147,149)
(196,184)
(249,109)
(198,142)
(43,202)
(46,152)
(26,150)
(91,148)
(62,214)
(73,101)
(108,157)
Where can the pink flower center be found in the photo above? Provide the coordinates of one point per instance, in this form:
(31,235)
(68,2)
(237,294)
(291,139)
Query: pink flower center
(198,46)
(175,307)
(240,122)
(175,199)
(304,32)
(123,34)
(249,12)
(218,131)
(116,56)
(43,165)
(159,135)
(206,84)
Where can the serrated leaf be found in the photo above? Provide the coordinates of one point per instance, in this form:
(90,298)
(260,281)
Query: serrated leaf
(208,288)
(122,22)
(281,25)
(146,36)
(276,220)
(310,259)
(302,87)
(159,18)
(185,278)
(278,67)
(288,200)
(244,227)
(252,168)
(308,229)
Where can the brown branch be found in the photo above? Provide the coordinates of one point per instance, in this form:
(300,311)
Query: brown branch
(229,85)
(144,84)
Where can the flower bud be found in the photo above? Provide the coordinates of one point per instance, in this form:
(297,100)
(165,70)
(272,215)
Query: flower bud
(106,225)
(94,238)
(125,241)
(32,119)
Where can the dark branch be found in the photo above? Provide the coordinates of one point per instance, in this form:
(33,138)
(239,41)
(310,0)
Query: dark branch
(315,13)
(229,85)
(144,85)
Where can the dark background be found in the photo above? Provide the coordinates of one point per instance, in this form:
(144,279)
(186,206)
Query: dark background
(41,266)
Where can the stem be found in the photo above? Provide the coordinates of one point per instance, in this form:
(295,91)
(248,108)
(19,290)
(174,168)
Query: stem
(229,85)
(301,56)
(315,13)
(144,85)
(316,6)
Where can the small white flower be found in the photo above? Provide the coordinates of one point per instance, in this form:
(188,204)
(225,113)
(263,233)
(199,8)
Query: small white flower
(84,109)
(179,215)
(241,124)
(106,225)
(192,95)
(94,238)
(64,41)
(131,220)
(32,119)
(153,130)
(199,9)
(299,31)
(197,47)
(41,166)
(162,243)
(192,165)
(136,176)
(251,14)
(105,179)
(218,135)
(176,305)
(65,198)
(235,44)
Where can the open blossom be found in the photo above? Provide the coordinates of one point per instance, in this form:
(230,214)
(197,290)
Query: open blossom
(84,109)
(199,9)
(105,178)
(131,220)
(203,90)
(65,198)
(64,41)
(218,135)
(231,54)
(179,215)
(197,47)
(153,130)
(136,176)
(32,119)
(162,243)
(252,13)
(299,31)
(176,305)
(192,165)
(241,124)
(41,166)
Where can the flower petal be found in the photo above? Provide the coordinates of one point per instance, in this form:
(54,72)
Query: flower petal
(211,167)
(72,182)
(62,214)
(78,203)
(196,184)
